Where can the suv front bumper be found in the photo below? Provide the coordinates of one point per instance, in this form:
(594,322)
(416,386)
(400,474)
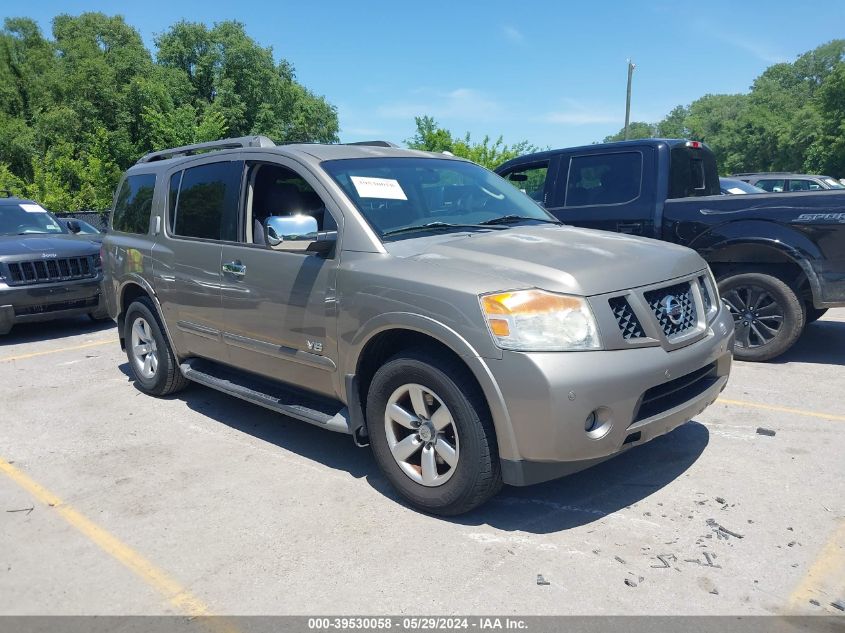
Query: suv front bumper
(45,302)
(638,394)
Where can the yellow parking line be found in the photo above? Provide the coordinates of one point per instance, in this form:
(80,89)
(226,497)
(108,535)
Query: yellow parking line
(825,580)
(58,351)
(769,407)
(173,592)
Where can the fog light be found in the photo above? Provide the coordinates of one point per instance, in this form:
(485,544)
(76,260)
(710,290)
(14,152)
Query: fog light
(591,422)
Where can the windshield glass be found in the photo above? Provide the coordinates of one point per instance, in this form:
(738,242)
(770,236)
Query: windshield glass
(399,195)
(26,218)
(834,184)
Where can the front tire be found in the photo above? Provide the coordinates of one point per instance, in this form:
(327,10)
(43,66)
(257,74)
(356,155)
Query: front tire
(151,360)
(768,315)
(431,433)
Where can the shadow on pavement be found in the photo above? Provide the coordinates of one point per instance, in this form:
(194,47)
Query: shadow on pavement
(594,493)
(53,330)
(333,450)
(550,507)
(822,342)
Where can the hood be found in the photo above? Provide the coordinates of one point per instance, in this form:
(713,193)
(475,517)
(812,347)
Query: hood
(555,258)
(34,246)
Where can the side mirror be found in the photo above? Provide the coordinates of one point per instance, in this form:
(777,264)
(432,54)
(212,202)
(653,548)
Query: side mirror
(290,232)
(517,177)
(73,226)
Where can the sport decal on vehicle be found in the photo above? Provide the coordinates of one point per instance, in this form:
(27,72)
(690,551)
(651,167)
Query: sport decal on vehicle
(821,217)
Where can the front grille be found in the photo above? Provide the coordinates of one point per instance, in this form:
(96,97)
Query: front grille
(55,307)
(674,308)
(42,271)
(627,321)
(675,392)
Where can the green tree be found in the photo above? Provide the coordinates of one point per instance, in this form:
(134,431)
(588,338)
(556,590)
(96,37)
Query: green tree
(235,77)
(431,137)
(80,107)
(636,129)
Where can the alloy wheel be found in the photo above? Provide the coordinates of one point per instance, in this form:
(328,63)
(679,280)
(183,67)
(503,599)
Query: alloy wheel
(421,435)
(758,317)
(144,349)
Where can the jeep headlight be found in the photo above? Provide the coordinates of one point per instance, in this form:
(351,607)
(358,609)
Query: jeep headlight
(539,321)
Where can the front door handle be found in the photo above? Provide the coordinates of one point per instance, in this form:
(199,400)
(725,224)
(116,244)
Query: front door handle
(631,228)
(234,268)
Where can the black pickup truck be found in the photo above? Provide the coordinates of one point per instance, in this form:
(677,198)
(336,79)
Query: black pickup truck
(779,258)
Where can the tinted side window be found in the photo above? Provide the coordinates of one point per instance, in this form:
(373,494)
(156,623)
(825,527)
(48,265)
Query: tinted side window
(604,179)
(134,203)
(208,202)
(775,185)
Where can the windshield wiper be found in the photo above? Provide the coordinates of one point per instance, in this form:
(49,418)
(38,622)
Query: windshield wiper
(433,226)
(513,219)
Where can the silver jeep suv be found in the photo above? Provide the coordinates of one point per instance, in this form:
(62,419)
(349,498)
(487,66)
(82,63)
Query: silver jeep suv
(414,301)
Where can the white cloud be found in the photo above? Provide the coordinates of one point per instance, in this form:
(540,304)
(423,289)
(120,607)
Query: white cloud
(754,45)
(461,103)
(577,113)
(579,118)
(513,34)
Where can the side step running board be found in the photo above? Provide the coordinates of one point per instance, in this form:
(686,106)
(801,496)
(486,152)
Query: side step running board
(302,405)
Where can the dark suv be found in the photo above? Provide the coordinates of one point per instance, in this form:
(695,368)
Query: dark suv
(782,182)
(46,272)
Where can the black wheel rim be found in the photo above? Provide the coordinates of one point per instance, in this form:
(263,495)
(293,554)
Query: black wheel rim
(758,317)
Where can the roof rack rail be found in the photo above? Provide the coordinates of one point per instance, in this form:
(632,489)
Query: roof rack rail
(374,143)
(226,143)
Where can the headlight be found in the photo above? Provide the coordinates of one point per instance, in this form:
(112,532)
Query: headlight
(540,321)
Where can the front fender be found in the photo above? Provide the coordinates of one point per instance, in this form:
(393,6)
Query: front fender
(477,364)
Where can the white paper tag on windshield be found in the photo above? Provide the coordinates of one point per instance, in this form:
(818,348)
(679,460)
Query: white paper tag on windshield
(735,190)
(385,188)
(32,208)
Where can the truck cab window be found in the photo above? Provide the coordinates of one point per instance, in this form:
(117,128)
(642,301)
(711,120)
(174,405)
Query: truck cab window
(530,180)
(603,179)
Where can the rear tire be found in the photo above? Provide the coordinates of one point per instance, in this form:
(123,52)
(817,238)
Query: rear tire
(431,433)
(151,360)
(768,315)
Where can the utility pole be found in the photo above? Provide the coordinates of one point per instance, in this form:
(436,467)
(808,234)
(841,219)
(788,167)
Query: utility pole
(628,98)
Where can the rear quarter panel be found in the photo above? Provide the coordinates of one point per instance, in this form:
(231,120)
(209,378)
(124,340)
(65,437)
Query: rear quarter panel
(809,227)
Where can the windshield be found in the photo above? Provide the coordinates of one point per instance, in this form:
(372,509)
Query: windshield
(834,184)
(403,195)
(26,218)
(729,185)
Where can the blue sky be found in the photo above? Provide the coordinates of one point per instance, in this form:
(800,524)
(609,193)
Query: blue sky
(549,72)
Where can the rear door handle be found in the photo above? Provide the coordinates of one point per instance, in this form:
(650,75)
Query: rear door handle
(234,268)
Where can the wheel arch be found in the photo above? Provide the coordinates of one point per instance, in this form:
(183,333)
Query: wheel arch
(129,290)
(393,333)
(761,254)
